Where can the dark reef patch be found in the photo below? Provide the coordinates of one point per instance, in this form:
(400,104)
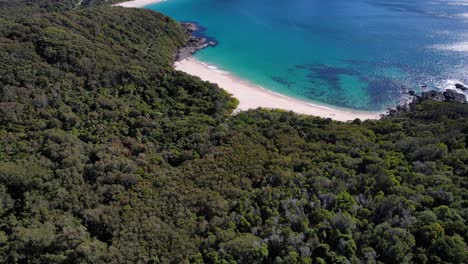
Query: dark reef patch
(324,83)
(378,64)
(326,73)
(282,81)
(335,99)
(383,90)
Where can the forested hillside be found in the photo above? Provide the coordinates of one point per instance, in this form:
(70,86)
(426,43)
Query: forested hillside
(108,155)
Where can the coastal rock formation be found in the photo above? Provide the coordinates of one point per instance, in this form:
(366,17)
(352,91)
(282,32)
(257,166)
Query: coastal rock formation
(461,87)
(190,27)
(449,95)
(453,96)
(431,95)
(194,43)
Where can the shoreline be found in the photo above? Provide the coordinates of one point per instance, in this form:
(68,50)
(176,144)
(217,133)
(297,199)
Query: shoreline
(252,96)
(138,3)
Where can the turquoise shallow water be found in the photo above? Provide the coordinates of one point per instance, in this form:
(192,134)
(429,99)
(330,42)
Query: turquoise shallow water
(359,54)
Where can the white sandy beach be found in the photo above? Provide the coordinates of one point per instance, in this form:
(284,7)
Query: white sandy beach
(138,3)
(251,96)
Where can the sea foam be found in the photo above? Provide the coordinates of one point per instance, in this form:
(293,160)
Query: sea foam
(457,47)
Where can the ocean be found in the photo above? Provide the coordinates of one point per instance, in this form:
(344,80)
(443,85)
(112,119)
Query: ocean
(358,54)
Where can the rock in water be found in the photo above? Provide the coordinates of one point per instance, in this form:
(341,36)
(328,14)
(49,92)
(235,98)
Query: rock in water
(194,43)
(461,87)
(409,105)
(433,95)
(453,96)
(191,27)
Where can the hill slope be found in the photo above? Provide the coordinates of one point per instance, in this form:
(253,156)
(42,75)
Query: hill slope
(108,155)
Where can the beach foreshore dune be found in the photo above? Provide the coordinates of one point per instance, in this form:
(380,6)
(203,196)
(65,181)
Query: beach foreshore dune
(251,96)
(138,3)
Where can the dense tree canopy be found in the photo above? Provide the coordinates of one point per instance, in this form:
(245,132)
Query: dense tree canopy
(108,155)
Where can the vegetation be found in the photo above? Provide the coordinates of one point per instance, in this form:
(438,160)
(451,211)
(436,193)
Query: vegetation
(108,155)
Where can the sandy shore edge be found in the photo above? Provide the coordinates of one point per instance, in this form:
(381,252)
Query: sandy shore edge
(252,96)
(138,3)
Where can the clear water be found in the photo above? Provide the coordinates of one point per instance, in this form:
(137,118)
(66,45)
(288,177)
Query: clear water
(359,54)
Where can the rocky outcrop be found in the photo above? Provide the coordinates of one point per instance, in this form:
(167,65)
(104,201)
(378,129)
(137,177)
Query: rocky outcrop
(461,87)
(431,95)
(453,96)
(449,95)
(195,42)
(190,27)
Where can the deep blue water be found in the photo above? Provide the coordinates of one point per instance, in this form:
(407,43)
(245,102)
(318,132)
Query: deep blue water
(359,54)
